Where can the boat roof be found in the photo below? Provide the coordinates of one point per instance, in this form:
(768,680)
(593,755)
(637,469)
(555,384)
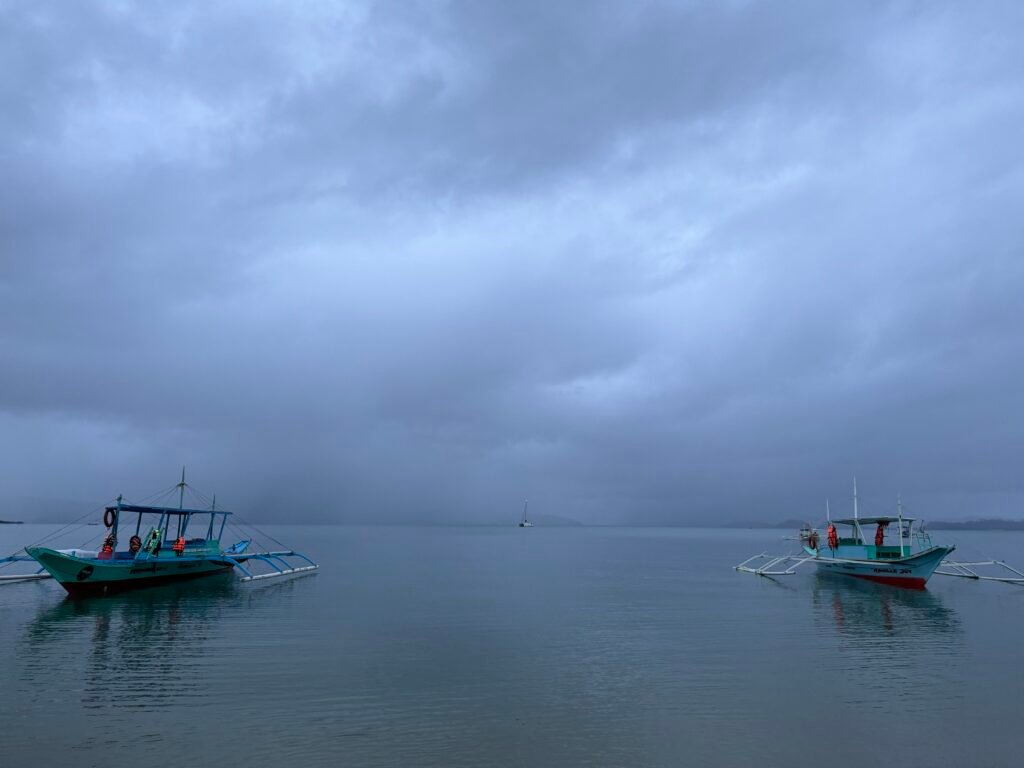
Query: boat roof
(869,520)
(167,510)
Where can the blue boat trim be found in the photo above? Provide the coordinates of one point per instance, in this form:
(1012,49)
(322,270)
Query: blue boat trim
(271,559)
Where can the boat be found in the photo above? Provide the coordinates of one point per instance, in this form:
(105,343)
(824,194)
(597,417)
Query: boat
(909,561)
(525,523)
(180,543)
(905,557)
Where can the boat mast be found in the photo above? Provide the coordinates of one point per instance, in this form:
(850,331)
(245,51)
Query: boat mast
(856,524)
(854,497)
(526,503)
(899,514)
(181,498)
(181,490)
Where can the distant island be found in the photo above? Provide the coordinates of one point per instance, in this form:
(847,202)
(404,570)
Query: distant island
(11,522)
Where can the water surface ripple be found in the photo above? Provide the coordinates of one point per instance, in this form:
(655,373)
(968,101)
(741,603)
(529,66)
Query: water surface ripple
(480,646)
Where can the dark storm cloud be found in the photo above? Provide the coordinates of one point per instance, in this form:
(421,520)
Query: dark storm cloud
(637,261)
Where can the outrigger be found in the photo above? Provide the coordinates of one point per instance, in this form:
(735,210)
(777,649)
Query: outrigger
(164,554)
(909,561)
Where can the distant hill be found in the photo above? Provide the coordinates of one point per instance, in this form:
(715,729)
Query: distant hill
(10,522)
(788,524)
(978,525)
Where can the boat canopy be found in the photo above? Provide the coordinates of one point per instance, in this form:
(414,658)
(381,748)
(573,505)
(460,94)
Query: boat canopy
(172,530)
(870,520)
(165,510)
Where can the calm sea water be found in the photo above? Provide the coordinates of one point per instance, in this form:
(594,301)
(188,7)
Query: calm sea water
(506,647)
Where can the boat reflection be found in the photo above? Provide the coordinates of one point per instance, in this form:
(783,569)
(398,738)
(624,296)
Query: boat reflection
(889,642)
(143,650)
(873,612)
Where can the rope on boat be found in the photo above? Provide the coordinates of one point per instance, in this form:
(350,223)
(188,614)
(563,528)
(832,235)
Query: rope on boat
(243,528)
(261,532)
(73,525)
(78,523)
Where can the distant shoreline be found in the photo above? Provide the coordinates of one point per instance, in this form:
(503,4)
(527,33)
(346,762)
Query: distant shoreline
(11,522)
(978,525)
(987,524)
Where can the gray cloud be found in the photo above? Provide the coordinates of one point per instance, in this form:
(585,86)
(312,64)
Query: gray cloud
(653,262)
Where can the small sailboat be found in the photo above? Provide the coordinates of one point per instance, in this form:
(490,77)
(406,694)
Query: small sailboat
(180,543)
(525,523)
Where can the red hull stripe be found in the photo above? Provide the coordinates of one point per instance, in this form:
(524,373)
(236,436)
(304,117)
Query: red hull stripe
(895,581)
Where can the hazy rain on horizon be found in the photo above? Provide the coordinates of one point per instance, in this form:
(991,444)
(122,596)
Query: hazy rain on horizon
(644,262)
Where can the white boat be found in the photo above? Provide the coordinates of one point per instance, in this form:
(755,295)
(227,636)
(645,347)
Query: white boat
(525,523)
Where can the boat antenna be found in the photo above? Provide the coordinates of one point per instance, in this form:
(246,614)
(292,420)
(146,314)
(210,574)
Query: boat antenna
(181,489)
(213,506)
(828,512)
(526,503)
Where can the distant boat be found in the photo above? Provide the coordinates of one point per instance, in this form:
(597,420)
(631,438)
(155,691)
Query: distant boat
(525,523)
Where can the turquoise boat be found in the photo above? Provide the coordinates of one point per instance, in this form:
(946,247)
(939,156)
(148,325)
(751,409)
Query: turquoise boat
(906,559)
(164,544)
(901,553)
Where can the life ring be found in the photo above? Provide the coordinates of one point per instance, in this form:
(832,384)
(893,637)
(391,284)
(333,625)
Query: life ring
(109,516)
(134,544)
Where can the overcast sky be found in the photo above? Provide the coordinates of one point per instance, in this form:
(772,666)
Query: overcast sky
(417,261)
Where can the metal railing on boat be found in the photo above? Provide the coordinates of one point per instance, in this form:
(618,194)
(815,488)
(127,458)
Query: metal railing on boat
(276,560)
(9,578)
(773,565)
(966,570)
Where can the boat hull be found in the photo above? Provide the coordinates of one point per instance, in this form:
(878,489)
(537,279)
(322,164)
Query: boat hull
(911,572)
(90,576)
